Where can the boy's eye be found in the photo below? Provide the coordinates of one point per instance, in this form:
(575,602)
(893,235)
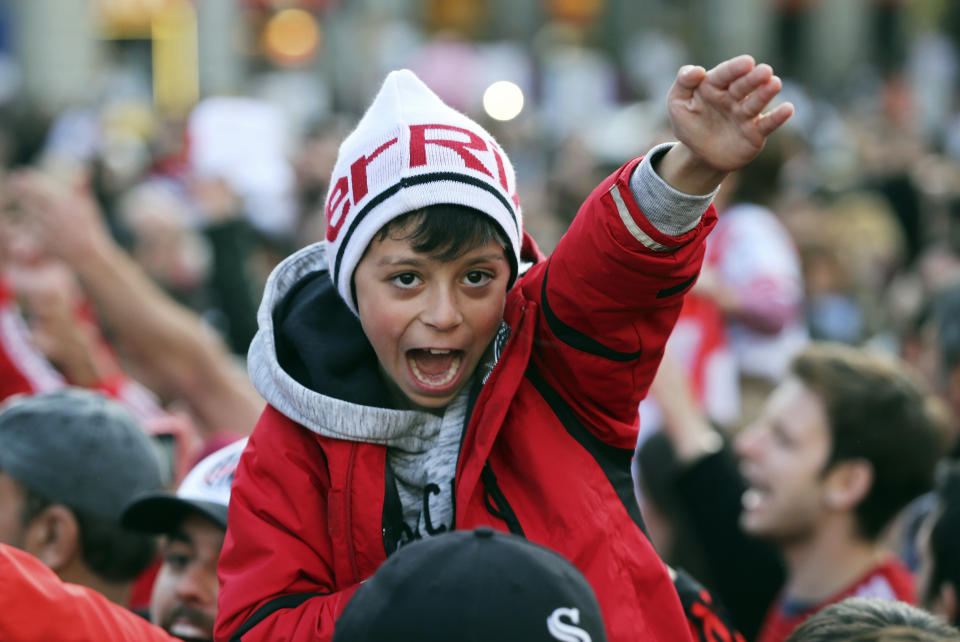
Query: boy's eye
(405,280)
(477,277)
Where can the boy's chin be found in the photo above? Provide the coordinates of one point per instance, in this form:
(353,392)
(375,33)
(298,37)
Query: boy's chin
(430,403)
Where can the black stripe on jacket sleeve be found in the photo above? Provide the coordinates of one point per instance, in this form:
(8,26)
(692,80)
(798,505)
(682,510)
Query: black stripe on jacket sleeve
(283,602)
(677,289)
(574,338)
(613,461)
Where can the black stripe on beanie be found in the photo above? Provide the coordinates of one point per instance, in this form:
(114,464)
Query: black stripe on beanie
(435,177)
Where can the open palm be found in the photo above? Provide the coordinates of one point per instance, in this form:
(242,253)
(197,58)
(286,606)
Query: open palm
(718,114)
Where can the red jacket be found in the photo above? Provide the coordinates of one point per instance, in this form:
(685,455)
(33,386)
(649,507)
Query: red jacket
(546,452)
(35,604)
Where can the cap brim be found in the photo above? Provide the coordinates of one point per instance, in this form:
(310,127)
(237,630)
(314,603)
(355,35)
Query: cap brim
(162,513)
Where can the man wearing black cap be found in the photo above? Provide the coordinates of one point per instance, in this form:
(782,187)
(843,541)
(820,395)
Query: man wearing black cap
(473,586)
(193,522)
(69,462)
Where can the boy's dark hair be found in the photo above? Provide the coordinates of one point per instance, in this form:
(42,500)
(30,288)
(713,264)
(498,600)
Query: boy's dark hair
(110,551)
(859,619)
(944,551)
(879,413)
(444,232)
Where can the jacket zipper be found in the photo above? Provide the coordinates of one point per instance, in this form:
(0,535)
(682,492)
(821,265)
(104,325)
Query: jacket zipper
(348,512)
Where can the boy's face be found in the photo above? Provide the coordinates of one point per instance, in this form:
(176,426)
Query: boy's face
(430,321)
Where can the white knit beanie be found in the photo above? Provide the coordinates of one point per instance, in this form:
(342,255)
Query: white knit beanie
(410,150)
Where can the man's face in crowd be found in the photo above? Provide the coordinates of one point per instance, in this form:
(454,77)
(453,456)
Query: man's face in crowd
(782,456)
(184,600)
(430,321)
(11,512)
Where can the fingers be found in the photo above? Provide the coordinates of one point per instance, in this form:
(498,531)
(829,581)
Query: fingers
(730,70)
(688,79)
(771,121)
(749,82)
(756,102)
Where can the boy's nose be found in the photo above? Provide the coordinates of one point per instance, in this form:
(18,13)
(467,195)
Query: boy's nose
(442,310)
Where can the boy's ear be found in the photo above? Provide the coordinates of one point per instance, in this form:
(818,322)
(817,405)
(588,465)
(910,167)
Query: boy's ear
(848,483)
(53,537)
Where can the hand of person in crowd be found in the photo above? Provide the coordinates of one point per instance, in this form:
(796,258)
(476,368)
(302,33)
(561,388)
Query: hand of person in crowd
(718,118)
(684,422)
(66,219)
(51,297)
(180,355)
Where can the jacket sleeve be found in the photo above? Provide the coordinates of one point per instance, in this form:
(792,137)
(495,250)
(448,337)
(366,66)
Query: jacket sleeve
(35,604)
(608,298)
(710,491)
(276,570)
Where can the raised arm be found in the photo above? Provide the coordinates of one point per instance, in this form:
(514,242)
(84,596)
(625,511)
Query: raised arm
(184,356)
(610,294)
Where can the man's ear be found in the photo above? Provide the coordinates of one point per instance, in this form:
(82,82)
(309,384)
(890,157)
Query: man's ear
(53,537)
(848,483)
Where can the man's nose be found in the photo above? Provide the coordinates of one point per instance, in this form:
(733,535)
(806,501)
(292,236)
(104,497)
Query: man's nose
(748,441)
(197,585)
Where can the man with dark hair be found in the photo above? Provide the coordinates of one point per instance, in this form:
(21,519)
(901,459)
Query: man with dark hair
(860,619)
(841,446)
(36,605)
(69,462)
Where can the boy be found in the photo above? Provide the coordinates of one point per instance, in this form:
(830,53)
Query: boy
(413,391)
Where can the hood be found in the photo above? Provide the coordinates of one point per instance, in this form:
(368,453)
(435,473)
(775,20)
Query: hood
(312,362)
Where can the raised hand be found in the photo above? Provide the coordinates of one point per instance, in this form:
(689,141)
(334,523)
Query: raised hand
(65,219)
(719,118)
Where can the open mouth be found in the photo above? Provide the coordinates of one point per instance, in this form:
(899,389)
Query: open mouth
(755,497)
(186,630)
(434,367)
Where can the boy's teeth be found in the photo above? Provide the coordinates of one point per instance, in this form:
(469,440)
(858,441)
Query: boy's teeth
(439,378)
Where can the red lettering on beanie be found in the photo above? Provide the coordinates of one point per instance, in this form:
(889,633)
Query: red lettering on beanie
(418,144)
(358,171)
(501,170)
(337,196)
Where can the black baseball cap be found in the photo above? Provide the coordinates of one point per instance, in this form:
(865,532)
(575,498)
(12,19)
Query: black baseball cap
(468,586)
(205,490)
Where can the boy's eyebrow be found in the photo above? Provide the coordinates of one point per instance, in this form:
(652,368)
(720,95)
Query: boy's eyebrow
(483,258)
(401,260)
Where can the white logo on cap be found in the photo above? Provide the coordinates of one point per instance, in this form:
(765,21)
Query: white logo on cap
(563,631)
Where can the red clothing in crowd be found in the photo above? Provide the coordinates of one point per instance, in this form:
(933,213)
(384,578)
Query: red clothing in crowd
(37,605)
(889,580)
(546,452)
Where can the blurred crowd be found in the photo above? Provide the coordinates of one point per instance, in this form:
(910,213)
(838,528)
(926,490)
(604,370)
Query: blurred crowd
(135,245)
